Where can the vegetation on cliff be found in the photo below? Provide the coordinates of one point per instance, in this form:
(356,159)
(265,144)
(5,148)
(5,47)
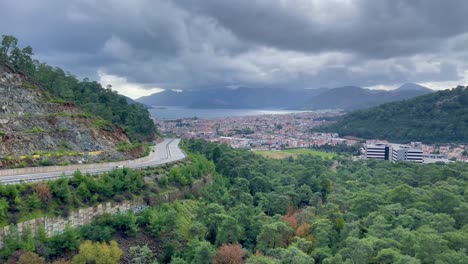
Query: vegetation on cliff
(90,96)
(22,202)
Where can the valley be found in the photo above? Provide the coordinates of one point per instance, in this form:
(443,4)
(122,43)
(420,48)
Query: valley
(233,132)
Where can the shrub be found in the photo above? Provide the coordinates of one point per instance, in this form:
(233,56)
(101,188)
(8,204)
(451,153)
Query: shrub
(35,130)
(30,257)
(45,162)
(12,242)
(103,124)
(95,232)
(98,253)
(43,191)
(58,101)
(69,239)
(3,208)
(141,255)
(34,202)
(83,191)
(29,85)
(125,223)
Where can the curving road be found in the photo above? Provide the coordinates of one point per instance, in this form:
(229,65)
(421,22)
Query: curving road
(162,153)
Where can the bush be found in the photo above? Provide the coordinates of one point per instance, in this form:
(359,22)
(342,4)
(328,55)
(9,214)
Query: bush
(125,223)
(30,257)
(45,162)
(103,124)
(12,242)
(229,253)
(69,239)
(43,191)
(35,130)
(141,255)
(98,253)
(34,202)
(95,232)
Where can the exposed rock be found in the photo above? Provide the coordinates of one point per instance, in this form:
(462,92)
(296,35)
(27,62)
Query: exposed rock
(31,121)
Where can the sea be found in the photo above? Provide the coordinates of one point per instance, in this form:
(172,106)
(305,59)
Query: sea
(172,112)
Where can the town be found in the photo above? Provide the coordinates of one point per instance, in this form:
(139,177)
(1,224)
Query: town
(289,131)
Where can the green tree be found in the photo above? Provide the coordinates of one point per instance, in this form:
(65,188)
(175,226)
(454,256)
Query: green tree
(388,256)
(274,235)
(357,250)
(125,223)
(69,239)
(229,231)
(429,245)
(200,252)
(262,260)
(83,191)
(3,208)
(9,42)
(295,255)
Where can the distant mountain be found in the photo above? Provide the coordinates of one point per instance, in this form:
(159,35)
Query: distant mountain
(232,98)
(348,97)
(353,98)
(131,101)
(440,117)
(413,87)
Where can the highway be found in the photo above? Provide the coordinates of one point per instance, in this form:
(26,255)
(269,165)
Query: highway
(167,151)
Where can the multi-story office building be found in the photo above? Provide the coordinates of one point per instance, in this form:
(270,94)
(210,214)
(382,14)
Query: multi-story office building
(378,151)
(395,152)
(407,153)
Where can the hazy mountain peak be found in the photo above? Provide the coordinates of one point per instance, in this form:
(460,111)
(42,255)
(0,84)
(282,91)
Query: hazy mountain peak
(413,87)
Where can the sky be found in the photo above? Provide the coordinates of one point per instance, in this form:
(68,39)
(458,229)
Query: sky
(144,46)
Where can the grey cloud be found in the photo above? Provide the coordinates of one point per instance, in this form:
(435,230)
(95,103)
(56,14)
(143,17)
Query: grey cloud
(374,28)
(182,44)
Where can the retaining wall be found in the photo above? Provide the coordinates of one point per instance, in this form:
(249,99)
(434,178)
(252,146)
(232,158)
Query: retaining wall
(56,225)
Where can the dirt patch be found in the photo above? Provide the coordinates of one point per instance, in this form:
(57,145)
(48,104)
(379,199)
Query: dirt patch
(143,238)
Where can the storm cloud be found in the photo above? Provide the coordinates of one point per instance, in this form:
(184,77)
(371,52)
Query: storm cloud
(191,44)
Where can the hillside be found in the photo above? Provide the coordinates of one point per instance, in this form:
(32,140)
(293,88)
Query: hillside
(37,128)
(88,95)
(437,117)
(354,98)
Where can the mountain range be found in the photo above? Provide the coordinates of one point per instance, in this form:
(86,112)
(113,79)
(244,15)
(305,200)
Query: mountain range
(353,98)
(348,98)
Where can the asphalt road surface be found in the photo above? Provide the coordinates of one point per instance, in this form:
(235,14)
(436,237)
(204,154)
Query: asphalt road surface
(162,153)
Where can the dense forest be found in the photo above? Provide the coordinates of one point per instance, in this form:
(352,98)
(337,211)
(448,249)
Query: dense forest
(297,210)
(440,117)
(90,96)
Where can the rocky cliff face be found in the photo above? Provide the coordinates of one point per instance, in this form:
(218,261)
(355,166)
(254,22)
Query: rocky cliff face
(33,123)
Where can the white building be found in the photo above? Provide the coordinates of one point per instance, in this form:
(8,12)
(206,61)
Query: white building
(432,158)
(395,152)
(378,151)
(407,153)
